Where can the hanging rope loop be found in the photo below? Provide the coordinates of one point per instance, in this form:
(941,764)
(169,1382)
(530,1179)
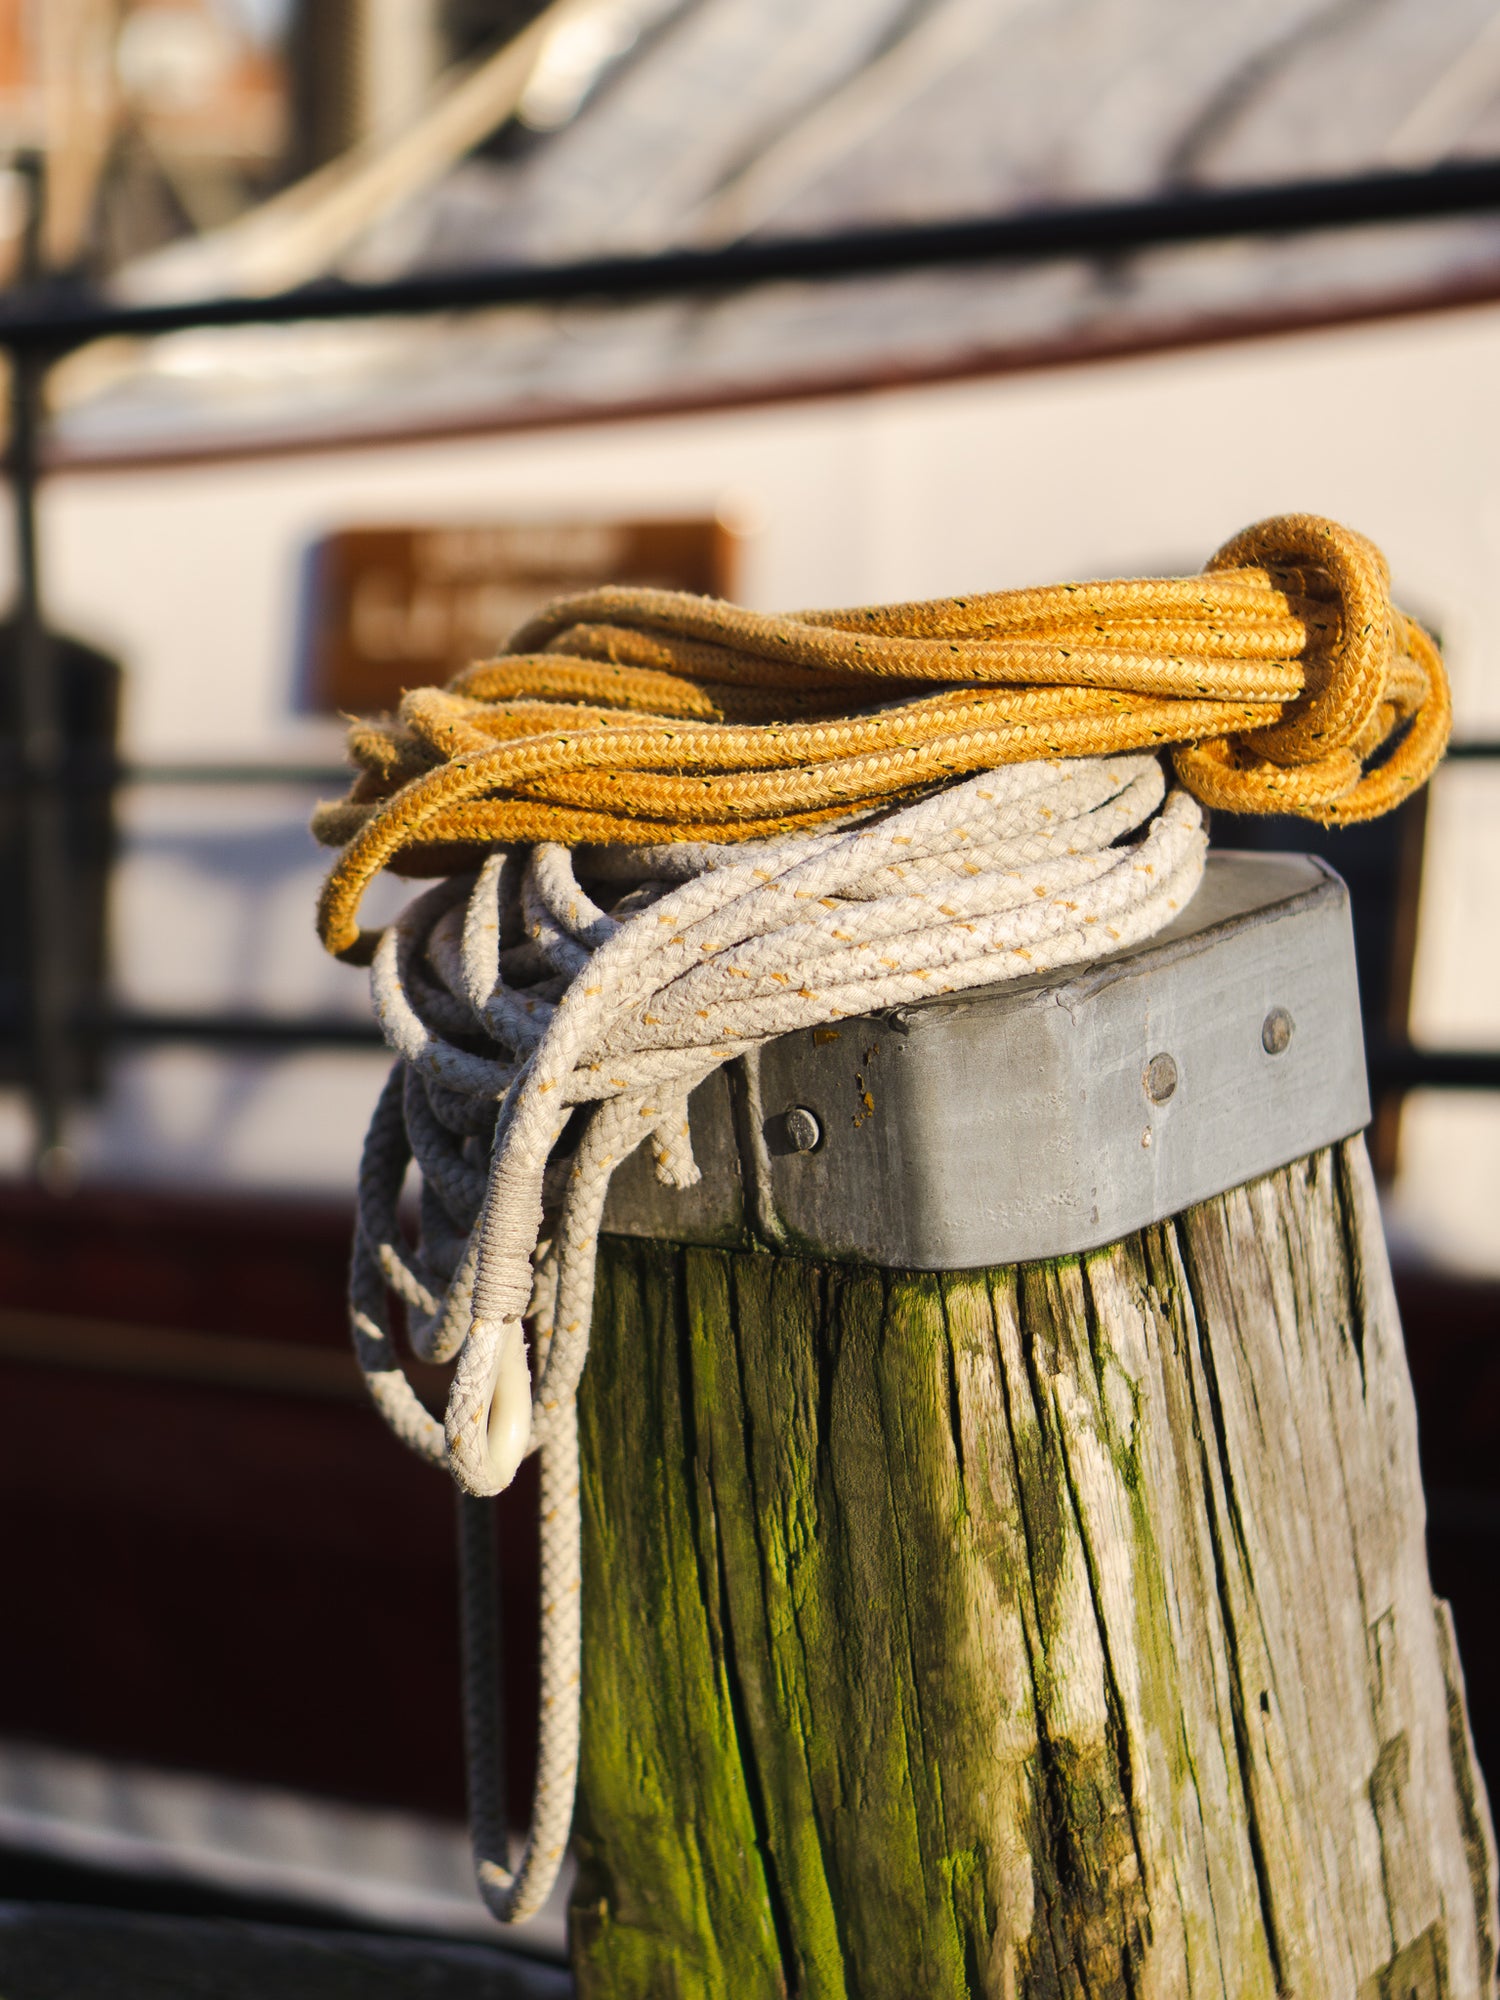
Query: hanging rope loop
(588,993)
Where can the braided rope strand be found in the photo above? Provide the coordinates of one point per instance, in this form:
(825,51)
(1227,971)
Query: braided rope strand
(1283,678)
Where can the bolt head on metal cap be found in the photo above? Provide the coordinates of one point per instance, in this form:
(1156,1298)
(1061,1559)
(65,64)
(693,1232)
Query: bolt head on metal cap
(1276,1031)
(803,1132)
(1160,1078)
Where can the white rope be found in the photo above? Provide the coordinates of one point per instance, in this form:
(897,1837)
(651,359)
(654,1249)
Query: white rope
(515,996)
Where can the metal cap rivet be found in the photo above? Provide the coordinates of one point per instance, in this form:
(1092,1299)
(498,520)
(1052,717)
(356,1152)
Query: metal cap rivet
(1276,1031)
(803,1132)
(1160,1079)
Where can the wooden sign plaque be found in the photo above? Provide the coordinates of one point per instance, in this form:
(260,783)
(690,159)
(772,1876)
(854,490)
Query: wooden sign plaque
(400,607)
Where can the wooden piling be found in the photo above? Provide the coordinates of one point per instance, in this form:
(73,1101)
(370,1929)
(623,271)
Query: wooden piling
(1051,1628)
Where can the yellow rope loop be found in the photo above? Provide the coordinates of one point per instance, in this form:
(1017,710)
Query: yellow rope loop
(1369,670)
(636,716)
(1349,652)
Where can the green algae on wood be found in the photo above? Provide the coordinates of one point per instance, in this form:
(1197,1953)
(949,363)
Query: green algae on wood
(953,1635)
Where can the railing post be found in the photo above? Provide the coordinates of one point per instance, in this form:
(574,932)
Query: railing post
(48,987)
(1018,1586)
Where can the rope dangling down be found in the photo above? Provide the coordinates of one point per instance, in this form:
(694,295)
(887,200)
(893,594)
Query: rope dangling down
(514,997)
(770,856)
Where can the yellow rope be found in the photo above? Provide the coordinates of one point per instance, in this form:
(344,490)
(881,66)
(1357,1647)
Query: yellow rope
(632,716)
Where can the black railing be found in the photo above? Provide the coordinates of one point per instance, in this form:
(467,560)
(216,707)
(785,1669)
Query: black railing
(52,322)
(41,323)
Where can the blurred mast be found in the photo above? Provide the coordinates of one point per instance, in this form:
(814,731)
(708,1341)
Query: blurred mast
(299,234)
(79,114)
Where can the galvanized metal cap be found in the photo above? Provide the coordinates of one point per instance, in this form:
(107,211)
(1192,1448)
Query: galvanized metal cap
(1048,1116)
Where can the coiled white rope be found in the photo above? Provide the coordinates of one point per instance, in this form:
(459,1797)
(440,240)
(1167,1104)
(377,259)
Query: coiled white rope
(513,997)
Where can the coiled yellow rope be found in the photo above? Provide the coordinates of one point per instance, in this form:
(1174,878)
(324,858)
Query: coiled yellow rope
(1278,677)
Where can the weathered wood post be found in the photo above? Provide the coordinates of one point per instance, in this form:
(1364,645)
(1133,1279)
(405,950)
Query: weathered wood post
(1003,1529)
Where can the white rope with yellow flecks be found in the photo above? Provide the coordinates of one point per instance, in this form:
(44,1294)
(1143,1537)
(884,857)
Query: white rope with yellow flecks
(517,999)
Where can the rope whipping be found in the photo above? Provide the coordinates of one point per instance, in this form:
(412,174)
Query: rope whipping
(669,830)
